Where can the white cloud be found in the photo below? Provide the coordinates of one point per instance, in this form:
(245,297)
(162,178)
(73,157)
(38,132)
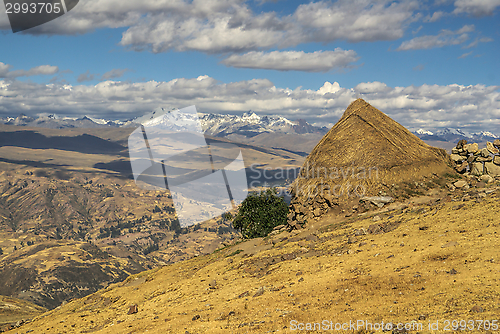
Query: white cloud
(476,8)
(466,28)
(435,16)
(372,87)
(5,71)
(354,21)
(465,55)
(444,38)
(477,41)
(221,26)
(319,61)
(416,31)
(413,106)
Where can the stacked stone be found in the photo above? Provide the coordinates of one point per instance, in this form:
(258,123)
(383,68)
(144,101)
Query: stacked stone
(304,211)
(468,158)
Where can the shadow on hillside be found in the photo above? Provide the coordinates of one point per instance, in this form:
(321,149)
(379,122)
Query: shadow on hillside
(83,143)
(121,166)
(37,164)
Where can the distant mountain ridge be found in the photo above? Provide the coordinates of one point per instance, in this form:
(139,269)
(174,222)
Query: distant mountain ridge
(249,124)
(55,122)
(455,134)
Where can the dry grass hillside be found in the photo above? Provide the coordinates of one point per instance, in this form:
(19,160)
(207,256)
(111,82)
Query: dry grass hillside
(13,310)
(68,205)
(430,258)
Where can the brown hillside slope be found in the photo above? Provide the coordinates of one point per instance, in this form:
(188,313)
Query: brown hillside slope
(363,151)
(429,263)
(16,311)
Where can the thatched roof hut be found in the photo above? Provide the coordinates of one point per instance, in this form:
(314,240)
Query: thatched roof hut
(363,151)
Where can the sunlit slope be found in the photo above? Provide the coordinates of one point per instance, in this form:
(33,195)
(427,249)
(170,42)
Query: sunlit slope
(434,261)
(14,311)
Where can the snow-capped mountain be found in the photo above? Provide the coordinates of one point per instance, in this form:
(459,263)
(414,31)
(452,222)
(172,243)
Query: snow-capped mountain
(53,121)
(452,134)
(102,121)
(423,132)
(172,120)
(249,124)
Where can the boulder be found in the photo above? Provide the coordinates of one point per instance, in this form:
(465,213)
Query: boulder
(484,153)
(463,153)
(492,169)
(471,148)
(359,232)
(461,143)
(462,168)
(317,212)
(133,309)
(457,158)
(491,148)
(496,143)
(486,178)
(483,159)
(375,229)
(496,160)
(471,159)
(480,184)
(461,184)
(476,168)
(456,150)
(378,200)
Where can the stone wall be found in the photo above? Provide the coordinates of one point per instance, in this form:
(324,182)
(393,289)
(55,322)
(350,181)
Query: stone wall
(470,159)
(310,209)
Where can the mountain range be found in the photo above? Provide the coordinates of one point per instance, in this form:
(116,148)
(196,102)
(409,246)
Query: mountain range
(249,124)
(453,135)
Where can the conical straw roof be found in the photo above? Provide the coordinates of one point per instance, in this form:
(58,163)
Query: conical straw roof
(365,151)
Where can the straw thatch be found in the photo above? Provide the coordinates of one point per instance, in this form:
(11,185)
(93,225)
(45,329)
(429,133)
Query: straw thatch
(362,151)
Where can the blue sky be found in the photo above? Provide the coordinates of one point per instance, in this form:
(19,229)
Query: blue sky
(427,64)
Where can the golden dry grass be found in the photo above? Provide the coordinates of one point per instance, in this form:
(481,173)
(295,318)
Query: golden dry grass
(13,309)
(438,263)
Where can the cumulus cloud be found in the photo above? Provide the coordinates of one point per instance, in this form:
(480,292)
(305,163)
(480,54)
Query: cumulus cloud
(444,38)
(426,106)
(319,61)
(354,21)
(476,8)
(5,71)
(220,26)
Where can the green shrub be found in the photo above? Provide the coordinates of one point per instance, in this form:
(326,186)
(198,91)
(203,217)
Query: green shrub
(260,213)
